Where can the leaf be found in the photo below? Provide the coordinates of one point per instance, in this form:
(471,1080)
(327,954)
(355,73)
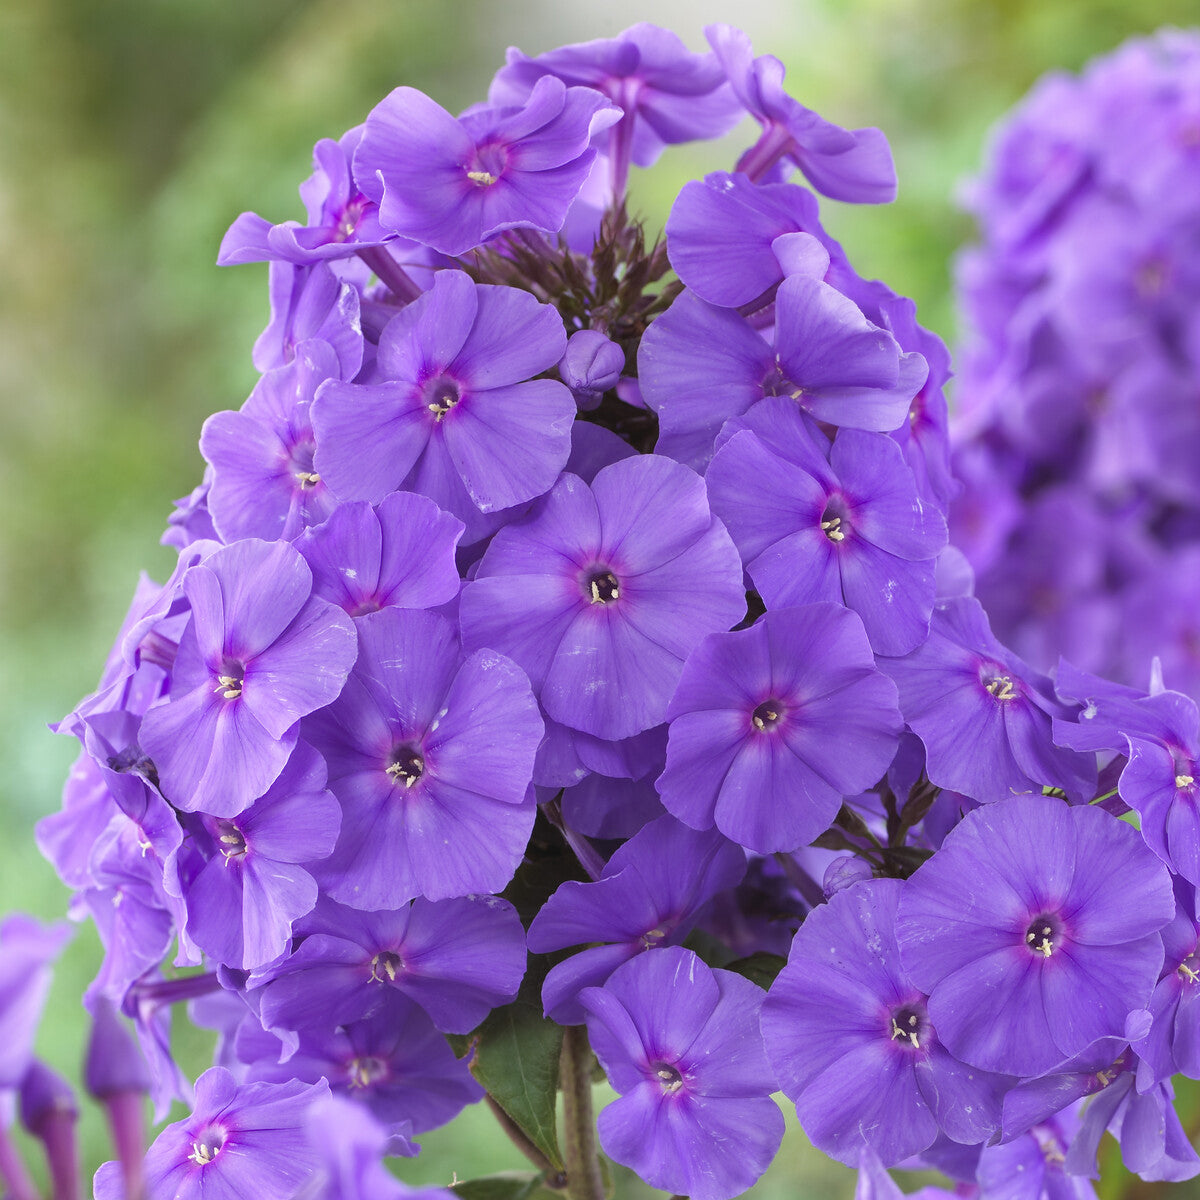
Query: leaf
(505,1185)
(759,968)
(517,1052)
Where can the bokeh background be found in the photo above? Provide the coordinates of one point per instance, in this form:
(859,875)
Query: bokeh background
(132,132)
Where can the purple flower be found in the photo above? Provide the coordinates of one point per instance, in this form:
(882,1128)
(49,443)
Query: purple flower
(351,1144)
(667,94)
(452,183)
(259,653)
(699,365)
(456,414)
(732,242)
(341,220)
(602,592)
(240,1141)
(458,959)
(27,950)
(307,303)
(1034,932)
(851,1039)
(982,714)
(650,894)
(395,1062)
(855,166)
(1160,781)
(1172,1042)
(263,483)
(840,522)
(681,1044)
(399,553)
(431,757)
(244,899)
(771,726)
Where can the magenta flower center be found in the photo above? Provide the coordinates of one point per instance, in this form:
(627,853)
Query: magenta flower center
(1044,935)
(230,679)
(767,715)
(834,524)
(366,1070)
(406,764)
(300,465)
(1189,969)
(668,1076)
(999,685)
(233,842)
(908,1025)
(489,164)
(441,394)
(602,587)
(387,964)
(208,1144)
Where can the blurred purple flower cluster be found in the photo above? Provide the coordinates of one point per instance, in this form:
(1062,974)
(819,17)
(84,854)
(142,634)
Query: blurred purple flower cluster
(1078,428)
(565,633)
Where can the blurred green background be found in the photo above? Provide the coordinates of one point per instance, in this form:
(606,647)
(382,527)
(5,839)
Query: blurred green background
(132,132)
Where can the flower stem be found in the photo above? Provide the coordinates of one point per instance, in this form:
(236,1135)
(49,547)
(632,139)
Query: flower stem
(584,1180)
(12,1170)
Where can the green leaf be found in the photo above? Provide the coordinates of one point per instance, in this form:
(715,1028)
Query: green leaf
(505,1185)
(759,968)
(516,1060)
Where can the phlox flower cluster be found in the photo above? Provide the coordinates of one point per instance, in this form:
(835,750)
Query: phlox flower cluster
(568,614)
(1078,429)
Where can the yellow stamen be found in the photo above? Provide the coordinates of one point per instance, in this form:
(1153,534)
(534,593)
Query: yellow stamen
(483,178)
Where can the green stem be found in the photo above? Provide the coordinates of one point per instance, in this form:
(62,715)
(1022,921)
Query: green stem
(584,1180)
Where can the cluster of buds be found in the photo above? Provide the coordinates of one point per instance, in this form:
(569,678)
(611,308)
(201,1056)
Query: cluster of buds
(565,663)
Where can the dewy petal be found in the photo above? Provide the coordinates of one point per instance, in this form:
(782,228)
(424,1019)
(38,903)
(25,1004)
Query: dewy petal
(304,669)
(368,437)
(512,338)
(212,755)
(607,678)
(429,334)
(824,340)
(762,498)
(1093,989)
(867,1097)
(893,596)
(699,365)
(510,443)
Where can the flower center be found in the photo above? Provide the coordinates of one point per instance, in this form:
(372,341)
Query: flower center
(1189,969)
(907,1026)
(441,395)
(1043,936)
(652,937)
(229,684)
(603,588)
(1184,780)
(301,463)
(406,764)
(669,1079)
(767,715)
(1001,686)
(387,964)
(366,1070)
(232,841)
(488,165)
(207,1146)
(834,524)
